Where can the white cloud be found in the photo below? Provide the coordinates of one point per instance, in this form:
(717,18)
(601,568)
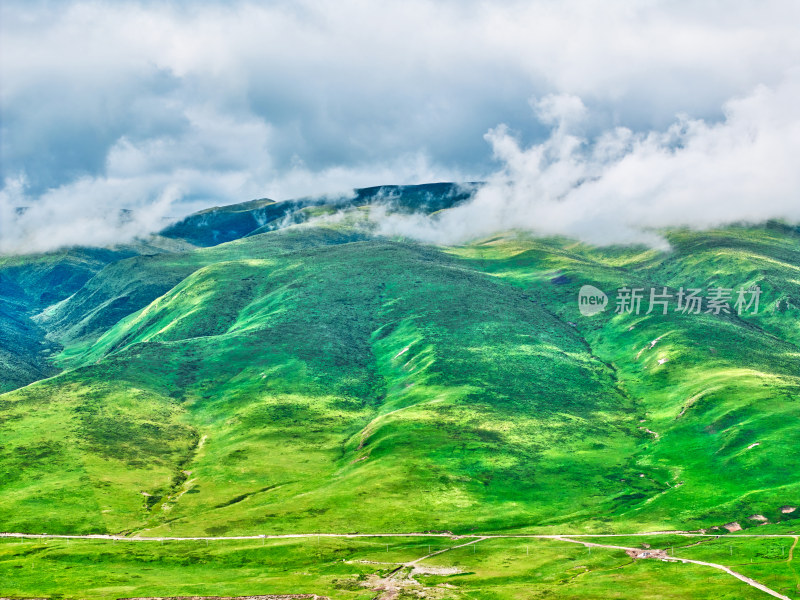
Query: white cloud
(62,217)
(110,105)
(624,186)
(214,159)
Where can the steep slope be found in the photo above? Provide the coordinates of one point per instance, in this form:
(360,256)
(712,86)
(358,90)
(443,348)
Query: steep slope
(27,285)
(23,347)
(719,392)
(315,377)
(32,283)
(322,403)
(126,286)
(96,303)
(226,223)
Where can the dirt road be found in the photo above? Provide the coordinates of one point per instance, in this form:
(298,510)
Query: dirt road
(663,556)
(569,538)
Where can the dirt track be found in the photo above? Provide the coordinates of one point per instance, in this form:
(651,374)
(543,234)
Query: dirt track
(661,555)
(569,538)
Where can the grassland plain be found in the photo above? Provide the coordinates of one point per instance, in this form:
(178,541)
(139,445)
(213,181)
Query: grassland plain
(365,567)
(318,378)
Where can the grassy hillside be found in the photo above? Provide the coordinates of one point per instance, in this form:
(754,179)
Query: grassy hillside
(718,393)
(315,378)
(327,403)
(23,348)
(31,284)
(309,376)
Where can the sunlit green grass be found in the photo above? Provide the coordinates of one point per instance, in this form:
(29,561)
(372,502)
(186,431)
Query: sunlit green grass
(319,380)
(344,568)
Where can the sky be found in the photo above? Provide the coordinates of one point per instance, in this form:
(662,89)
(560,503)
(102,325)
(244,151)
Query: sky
(604,120)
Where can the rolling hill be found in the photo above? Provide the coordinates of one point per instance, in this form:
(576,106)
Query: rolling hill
(278,367)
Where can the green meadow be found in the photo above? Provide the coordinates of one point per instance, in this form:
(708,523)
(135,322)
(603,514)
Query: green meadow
(358,568)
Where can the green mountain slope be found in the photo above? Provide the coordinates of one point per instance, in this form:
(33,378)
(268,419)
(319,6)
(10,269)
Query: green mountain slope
(302,386)
(719,393)
(31,286)
(22,343)
(128,285)
(28,284)
(316,377)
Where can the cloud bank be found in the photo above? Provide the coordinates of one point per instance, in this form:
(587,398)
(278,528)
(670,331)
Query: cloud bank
(622,186)
(164,107)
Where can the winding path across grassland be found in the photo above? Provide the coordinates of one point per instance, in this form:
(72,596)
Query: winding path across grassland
(570,538)
(443,534)
(747,580)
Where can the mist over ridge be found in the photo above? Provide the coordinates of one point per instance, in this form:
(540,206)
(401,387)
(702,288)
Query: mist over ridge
(645,115)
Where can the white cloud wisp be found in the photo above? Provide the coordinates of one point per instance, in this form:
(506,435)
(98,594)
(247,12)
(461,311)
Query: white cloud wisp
(164,107)
(622,187)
